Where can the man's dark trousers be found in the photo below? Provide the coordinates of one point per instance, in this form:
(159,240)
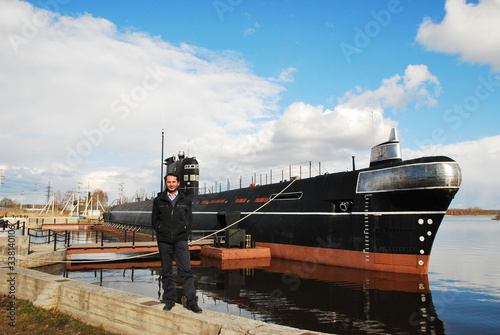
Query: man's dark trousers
(178,251)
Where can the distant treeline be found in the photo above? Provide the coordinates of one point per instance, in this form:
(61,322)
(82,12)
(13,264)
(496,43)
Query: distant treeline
(472,211)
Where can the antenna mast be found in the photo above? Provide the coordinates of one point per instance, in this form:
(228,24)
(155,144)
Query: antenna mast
(161,162)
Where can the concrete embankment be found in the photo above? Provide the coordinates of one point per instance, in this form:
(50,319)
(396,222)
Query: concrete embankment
(123,312)
(38,255)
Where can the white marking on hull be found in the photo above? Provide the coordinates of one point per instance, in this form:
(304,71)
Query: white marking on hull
(303,213)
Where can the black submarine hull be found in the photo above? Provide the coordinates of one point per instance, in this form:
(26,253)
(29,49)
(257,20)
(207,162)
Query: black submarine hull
(382,218)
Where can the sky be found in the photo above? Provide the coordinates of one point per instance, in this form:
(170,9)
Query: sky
(87,86)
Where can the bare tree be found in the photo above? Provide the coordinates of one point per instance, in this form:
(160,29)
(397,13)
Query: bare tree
(100,195)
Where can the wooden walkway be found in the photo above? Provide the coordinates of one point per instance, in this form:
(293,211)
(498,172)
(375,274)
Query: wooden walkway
(124,247)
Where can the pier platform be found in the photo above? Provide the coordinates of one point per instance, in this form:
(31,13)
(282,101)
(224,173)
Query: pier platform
(235,253)
(125,247)
(114,247)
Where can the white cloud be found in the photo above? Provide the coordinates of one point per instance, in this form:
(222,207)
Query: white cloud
(471,30)
(82,97)
(286,76)
(398,91)
(252,30)
(305,132)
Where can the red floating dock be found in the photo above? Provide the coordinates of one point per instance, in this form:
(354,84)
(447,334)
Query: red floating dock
(235,253)
(95,248)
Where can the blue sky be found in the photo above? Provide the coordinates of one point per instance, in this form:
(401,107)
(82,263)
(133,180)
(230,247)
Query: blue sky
(87,87)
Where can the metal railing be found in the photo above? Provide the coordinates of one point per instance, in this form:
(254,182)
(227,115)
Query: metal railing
(299,170)
(38,236)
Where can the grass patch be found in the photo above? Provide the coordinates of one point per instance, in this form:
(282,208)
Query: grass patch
(34,320)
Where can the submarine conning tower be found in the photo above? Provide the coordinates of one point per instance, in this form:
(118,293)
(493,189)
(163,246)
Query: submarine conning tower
(387,152)
(187,169)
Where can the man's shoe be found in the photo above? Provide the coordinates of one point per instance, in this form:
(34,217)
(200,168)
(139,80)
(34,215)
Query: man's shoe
(195,308)
(168,305)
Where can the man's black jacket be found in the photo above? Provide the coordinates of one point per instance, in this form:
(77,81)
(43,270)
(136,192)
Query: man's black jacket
(172,224)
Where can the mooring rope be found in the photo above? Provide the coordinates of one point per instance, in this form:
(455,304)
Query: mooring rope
(156,252)
(246,216)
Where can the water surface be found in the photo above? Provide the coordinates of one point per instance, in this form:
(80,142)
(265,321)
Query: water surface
(461,294)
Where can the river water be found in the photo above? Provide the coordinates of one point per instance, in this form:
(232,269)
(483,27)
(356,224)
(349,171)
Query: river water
(461,294)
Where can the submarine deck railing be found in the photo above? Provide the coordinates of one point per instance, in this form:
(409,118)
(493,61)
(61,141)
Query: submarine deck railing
(299,170)
(296,171)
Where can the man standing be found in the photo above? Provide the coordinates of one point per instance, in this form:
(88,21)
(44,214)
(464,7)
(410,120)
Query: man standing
(171,219)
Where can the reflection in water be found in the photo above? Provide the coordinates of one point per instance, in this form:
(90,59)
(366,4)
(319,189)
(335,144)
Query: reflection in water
(297,294)
(328,299)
